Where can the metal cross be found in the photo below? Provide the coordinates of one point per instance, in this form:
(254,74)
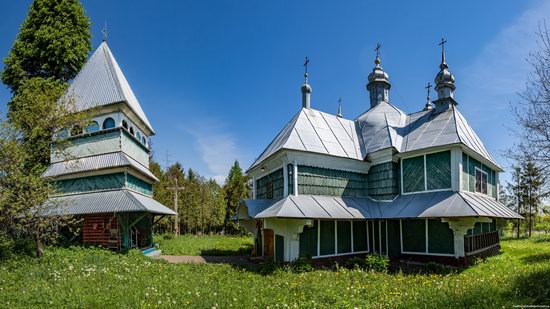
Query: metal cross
(442,44)
(429,86)
(377,49)
(305,64)
(104,32)
(339,100)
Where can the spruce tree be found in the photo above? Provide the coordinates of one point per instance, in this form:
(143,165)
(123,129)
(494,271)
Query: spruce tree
(236,188)
(54,42)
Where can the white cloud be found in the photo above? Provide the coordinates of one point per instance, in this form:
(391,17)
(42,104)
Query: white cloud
(500,70)
(217,146)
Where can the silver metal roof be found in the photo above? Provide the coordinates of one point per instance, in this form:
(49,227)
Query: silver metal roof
(101,82)
(446,204)
(104,202)
(315,131)
(380,127)
(383,126)
(93,163)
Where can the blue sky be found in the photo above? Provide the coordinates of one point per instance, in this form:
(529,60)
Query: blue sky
(219,79)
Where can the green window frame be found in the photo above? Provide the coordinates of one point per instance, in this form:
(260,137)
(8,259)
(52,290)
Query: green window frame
(427,172)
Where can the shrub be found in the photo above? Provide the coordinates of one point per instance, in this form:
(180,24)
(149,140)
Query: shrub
(377,262)
(302,265)
(356,262)
(435,268)
(6,246)
(168,236)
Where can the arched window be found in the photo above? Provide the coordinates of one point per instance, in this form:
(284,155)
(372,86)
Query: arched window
(143,141)
(124,124)
(138,136)
(63,133)
(132,130)
(92,127)
(108,123)
(76,130)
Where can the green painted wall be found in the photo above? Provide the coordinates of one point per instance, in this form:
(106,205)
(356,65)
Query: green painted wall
(91,183)
(327,237)
(440,237)
(322,181)
(279,248)
(270,186)
(344,236)
(87,145)
(434,174)
(383,181)
(308,241)
(360,236)
(414,235)
(394,238)
(134,149)
(139,185)
(469,165)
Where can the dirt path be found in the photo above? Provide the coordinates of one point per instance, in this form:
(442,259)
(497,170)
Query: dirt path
(234,260)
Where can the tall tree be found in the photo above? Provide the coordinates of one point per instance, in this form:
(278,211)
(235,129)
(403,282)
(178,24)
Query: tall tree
(533,110)
(236,188)
(533,183)
(53,42)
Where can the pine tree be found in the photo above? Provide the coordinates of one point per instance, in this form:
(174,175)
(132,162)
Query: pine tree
(235,188)
(533,182)
(54,42)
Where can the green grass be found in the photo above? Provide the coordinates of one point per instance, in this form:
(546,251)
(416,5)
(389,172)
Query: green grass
(204,245)
(96,278)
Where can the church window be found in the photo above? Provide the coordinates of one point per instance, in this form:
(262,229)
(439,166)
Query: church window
(138,136)
(76,130)
(429,172)
(108,123)
(124,124)
(481,181)
(143,141)
(63,133)
(92,127)
(132,130)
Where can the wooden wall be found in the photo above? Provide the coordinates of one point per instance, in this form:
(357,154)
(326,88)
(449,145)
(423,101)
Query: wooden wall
(101,230)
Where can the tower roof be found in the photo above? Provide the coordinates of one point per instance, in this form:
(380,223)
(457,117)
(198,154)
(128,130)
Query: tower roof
(101,82)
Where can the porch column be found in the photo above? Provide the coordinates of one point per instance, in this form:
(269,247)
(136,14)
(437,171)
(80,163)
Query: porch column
(460,227)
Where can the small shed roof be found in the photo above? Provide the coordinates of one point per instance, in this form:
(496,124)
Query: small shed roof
(104,202)
(446,204)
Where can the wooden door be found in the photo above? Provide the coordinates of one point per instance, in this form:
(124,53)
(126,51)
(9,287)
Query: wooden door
(268,243)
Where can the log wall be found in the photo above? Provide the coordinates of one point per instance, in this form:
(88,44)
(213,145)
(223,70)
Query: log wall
(101,230)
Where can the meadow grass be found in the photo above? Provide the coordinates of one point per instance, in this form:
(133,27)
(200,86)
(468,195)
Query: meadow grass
(96,278)
(204,245)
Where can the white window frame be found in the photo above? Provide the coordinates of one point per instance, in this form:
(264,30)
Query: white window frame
(427,242)
(486,181)
(336,240)
(425,175)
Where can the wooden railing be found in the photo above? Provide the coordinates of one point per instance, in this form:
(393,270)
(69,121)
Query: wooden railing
(477,243)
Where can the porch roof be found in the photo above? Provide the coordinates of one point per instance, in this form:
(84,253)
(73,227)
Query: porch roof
(104,202)
(445,204)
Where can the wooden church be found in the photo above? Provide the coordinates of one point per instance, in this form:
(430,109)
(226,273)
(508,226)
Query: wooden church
(418,186)
(102,173)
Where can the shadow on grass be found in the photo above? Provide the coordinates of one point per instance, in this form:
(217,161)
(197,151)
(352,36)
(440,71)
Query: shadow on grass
(537,258)
(533,288)
(245,250)
(542,240)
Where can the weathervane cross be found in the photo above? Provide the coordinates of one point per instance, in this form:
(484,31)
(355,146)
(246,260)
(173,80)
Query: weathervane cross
(428,87)
(104,32)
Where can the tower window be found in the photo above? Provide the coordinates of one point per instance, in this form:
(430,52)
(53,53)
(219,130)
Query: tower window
(481,181)
(143,141)
(92,127)
(124,124)
(138,136)
(108,123)
(132,130)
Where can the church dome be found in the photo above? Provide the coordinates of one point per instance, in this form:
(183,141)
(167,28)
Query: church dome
(306,88)
(378,74)
(444,77)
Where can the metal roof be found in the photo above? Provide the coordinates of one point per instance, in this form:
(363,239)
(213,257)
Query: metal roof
(93,163)
(315,131)
(382,126)
(104,202)
(447,204)
(101,82)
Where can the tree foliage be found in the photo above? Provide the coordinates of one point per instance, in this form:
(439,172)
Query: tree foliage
(53,42)
(532,113)
(236,188)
